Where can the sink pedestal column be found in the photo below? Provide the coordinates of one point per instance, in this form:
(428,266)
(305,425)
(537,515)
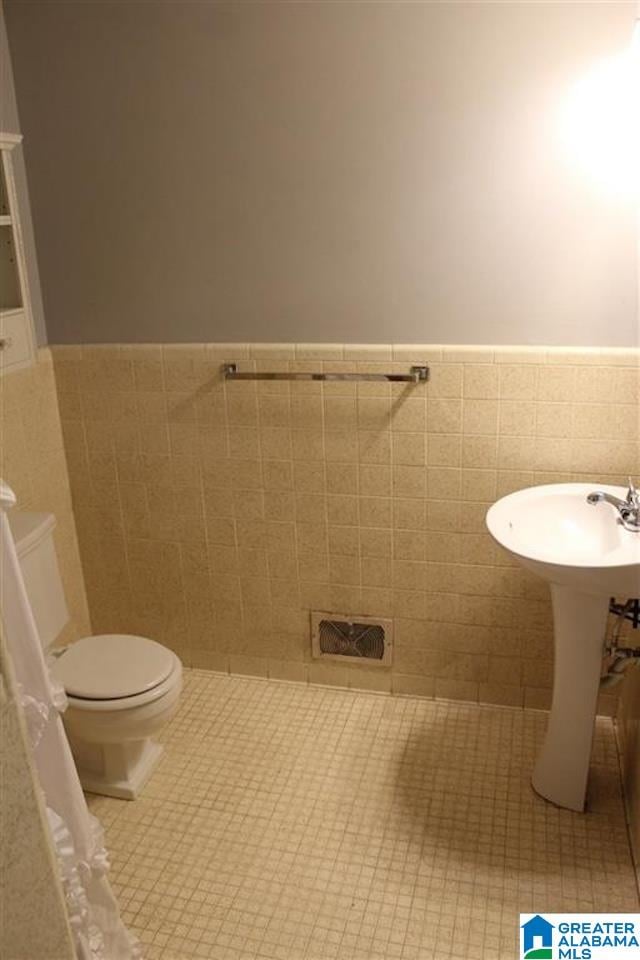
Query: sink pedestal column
(562,769)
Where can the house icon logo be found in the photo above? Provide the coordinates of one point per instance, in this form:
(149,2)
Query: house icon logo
(537,939)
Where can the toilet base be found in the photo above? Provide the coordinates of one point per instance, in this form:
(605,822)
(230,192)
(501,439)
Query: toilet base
(116,769)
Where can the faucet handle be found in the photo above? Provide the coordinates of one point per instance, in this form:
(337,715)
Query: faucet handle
(633,497)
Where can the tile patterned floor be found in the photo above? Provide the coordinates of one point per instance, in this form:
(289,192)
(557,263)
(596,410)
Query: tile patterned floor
(289,822)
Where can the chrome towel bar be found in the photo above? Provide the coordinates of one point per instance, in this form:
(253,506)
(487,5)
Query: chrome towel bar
(415,375)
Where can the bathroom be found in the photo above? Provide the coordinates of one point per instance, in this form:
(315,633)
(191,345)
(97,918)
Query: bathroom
(318,325)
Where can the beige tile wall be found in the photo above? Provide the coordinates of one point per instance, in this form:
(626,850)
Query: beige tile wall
(32,461)
(214,517)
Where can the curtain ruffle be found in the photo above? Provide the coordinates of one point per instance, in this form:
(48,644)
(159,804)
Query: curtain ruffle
(36,714)
(79,876)
(71,870)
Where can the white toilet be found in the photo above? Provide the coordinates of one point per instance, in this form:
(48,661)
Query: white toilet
(121,689)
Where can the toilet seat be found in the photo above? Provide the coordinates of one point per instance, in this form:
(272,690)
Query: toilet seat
(131,703)
(110,668)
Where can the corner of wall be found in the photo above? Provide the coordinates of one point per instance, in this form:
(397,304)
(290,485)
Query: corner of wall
(628,730)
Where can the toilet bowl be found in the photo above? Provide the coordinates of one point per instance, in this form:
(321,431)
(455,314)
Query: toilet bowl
(121,689)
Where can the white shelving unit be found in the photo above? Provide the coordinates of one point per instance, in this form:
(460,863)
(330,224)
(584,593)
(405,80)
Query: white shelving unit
(17,341)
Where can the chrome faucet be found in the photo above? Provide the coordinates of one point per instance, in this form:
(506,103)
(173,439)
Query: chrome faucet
(628,510)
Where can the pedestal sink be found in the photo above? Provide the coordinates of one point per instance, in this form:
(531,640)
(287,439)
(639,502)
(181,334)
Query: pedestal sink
(587,556)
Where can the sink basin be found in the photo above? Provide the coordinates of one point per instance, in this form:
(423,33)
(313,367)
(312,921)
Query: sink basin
(555,533)
(587,557)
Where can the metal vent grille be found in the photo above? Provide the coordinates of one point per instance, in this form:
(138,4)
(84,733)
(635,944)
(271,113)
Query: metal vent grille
(339,637)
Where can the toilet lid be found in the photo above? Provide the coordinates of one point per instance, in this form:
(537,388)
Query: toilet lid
(110,666)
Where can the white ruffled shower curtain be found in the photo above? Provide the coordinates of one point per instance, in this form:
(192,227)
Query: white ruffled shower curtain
(97,929)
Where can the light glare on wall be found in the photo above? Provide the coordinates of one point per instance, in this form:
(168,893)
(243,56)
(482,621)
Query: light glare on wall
(600,123)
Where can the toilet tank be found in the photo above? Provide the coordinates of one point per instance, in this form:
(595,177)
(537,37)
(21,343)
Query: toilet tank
(33,536)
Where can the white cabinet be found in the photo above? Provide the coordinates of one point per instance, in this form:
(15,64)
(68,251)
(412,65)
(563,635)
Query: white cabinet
(17,343)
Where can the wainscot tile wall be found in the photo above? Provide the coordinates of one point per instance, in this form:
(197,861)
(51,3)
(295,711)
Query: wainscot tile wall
(32,461)
(215,516)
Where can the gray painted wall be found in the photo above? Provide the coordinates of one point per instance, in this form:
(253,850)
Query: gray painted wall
(318,171)
(10,123)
